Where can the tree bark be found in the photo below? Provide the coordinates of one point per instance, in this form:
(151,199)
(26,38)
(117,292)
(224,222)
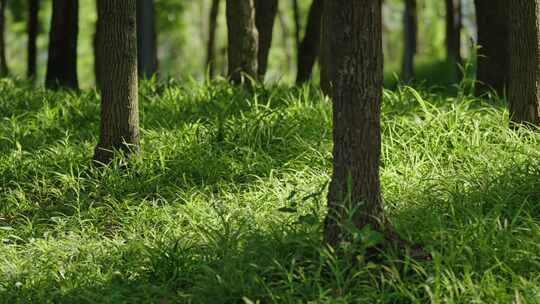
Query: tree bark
(524,60)
(33,31)
(492,56)
(310,45)
(265,16)
(352,40)
(146,39)
(211,44)
(410,28)
(117,52)
(453,33)
(4,71)
(62,62)
(243,40)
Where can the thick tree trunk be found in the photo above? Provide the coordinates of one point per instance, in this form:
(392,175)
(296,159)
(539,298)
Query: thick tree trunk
(211,43)
(410,28)
(146,39)
(117,52)
(62,62)
(33,31)
(453,33)
(243,40)
(265,16)
(492,57)
(352,40)
(310,45)
(524,60)
(3,62)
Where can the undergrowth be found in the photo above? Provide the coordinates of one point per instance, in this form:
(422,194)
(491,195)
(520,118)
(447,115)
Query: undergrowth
(226,201)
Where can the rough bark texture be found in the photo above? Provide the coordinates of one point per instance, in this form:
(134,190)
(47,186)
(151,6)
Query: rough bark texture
(62,62)
(453,34)
(410,28)
(492,57)
(211,43)
(354,67)
(308,50)
(265,16)
(33,30)
(146,39)
(524,80)
(117,50)
(3,62)
(243,39)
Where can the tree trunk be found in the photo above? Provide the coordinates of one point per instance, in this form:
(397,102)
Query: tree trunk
(453,33)
(210,47)
(524,60)
(310,45)
(492,57)
(265,16)
(352,40)
(243,40)
(410,28)
(62,62)
(3,62)
(146,39)
(33,31)
(296,15)
(117,52)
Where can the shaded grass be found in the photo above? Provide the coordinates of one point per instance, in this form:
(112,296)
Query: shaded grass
(196,216)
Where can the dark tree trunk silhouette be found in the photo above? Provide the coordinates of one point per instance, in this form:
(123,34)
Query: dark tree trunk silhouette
(3,62)
(353,44)
(310,45)
(146,39)
(492,57)
(265,16)
(33,31)
(297,29)
(453,33)
(524,60)
(62,61)
(211,43)
(117,50)
(243,40)
(410,29)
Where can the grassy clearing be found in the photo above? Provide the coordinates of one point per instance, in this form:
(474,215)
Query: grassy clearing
(195,218)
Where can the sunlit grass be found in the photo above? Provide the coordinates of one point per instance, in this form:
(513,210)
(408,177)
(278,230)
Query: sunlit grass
(195,217)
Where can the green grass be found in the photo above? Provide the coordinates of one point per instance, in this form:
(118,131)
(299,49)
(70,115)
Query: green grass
(196,217)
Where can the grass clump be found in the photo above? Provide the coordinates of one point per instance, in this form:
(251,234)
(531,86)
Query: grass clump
(225,203)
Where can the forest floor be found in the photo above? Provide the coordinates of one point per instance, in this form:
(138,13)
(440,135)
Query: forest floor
(226,201)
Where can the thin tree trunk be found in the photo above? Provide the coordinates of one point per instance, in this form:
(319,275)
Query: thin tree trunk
(117,50)
(243,40)
(492,56)
(62,62)
(297,29)
(33,31)
(453,33)
(285,41)
(524,60)
(3,62)
(354,65)
(410,28)
(146,39)
(211,44)
(310,45)
(265,16)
